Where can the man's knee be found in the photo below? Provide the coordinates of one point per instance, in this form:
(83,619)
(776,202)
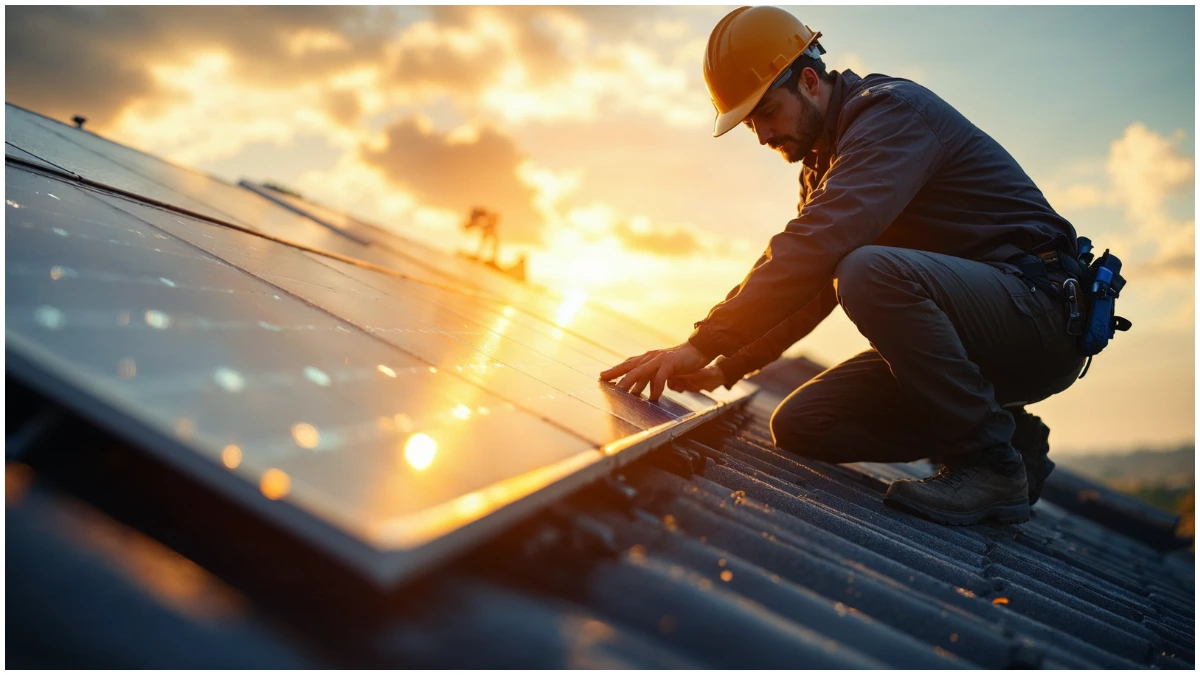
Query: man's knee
(864,276)
(795,427)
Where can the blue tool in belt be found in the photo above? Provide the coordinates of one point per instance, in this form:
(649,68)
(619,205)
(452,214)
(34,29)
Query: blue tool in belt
(1102,284)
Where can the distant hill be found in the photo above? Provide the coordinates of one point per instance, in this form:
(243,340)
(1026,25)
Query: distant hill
(1173,468)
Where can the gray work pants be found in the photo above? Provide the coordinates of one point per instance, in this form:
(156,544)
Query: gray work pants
(958,346)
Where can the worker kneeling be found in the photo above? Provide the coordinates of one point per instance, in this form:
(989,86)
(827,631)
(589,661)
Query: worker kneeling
(938,247)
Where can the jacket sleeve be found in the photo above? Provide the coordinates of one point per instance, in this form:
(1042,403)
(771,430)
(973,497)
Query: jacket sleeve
(886,155)
(771,346)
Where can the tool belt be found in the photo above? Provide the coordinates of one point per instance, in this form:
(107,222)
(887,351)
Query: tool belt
(1089,291)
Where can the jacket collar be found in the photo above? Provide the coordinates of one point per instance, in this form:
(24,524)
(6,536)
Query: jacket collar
(843,82)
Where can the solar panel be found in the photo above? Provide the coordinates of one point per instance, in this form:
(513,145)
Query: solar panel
(388,413)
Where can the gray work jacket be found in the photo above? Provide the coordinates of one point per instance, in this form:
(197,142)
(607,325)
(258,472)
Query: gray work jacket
(895,165)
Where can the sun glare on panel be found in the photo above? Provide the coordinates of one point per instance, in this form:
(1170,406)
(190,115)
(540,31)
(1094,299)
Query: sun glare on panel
(231,456)
(275,484)
(419,451)
(306,435)
(572,302)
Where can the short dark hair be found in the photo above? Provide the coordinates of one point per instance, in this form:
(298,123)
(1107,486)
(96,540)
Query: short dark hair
(795,69)
(805,61)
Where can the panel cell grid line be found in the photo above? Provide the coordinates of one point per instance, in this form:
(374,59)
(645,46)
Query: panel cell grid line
(12,151)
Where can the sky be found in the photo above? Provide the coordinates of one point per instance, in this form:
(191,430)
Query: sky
(589,130)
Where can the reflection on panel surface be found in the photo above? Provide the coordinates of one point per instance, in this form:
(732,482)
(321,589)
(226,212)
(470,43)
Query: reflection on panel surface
(390,309)
(560,310)
(288,397)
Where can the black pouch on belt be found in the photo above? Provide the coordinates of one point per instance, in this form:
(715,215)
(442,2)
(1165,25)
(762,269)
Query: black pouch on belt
(1090,292)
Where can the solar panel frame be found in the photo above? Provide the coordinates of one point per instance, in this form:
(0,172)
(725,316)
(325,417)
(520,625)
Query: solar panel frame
(17,154)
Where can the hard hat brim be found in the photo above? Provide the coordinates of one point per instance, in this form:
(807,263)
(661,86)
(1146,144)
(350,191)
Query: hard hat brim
(734,116)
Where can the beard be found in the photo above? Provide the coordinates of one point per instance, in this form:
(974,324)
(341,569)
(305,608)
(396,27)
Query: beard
(809,124)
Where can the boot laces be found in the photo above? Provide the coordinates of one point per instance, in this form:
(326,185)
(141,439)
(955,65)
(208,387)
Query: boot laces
(949,476)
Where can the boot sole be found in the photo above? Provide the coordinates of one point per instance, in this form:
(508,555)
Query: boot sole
(1009,512)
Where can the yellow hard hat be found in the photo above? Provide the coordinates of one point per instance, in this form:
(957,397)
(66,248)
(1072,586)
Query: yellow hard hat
(747,51)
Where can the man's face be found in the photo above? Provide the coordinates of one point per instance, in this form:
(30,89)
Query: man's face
(788,121)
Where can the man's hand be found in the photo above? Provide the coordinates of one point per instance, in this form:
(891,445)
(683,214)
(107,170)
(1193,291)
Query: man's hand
(705,379)
(654,367)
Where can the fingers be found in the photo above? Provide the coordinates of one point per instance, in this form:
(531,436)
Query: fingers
(658,382)
(648,369)
(625,366)
(698,381)
(635,380)
(620,369)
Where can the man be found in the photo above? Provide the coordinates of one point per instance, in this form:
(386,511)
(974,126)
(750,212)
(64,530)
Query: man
(921,227)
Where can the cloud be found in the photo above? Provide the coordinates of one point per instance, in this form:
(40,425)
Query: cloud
(1145,169)
(639,234)
(201,83)
(1081,196)
(206,110)
(54,65)
(458,172)
(1143,173)
(344,106)
(519,65)
(96,60)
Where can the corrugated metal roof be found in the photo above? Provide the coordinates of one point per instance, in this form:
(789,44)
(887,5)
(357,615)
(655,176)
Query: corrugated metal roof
(723,552)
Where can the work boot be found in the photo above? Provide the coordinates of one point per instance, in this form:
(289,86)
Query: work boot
(964,495)
(1032,440)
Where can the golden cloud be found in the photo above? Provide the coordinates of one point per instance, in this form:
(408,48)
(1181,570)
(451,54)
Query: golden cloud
(1144,171)
(458,173)
(639,234)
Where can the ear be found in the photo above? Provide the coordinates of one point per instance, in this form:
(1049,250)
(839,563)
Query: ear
(809,82)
